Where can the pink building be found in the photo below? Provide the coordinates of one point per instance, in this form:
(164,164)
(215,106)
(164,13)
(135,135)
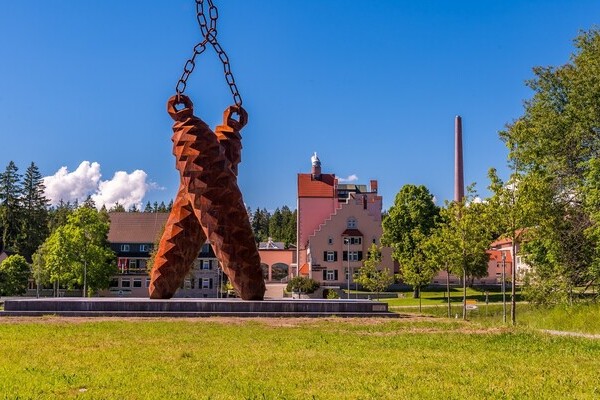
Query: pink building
(337,223)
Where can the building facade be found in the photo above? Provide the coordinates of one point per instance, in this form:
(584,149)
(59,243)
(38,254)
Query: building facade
(132,236)
(337,224)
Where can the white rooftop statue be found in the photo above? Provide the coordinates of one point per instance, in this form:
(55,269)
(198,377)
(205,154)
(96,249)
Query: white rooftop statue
(315,160)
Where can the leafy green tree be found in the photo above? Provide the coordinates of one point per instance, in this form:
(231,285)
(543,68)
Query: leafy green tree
(555,143)
(440,253)
(34,224)
(41,274)
(14,274)
(276,225)
(77,254)
(260,224)
(408,223)
(289,225)
(465,233)
(371,276)
(148,207)
(59,214)
(10,206)
(302,284)
(118,207)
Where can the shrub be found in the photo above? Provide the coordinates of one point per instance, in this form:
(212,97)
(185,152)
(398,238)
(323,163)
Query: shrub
(302,284)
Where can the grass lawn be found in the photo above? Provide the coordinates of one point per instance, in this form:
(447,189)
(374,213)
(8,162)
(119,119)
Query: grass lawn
(439,297)
(225,358)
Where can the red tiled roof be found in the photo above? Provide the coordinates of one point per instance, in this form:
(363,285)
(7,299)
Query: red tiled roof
(309,187)
(496,255)
(135,227)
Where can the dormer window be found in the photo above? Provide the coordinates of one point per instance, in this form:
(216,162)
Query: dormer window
(124,247)
(351,223)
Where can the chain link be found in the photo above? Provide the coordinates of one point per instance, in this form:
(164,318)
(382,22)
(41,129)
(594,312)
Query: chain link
(208,29)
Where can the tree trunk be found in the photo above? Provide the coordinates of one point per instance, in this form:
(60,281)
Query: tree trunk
(416,293)
(464,293)
(513,290)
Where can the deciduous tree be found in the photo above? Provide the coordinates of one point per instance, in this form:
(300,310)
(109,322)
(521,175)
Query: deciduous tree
(371,276)
(408,223)
(14,274)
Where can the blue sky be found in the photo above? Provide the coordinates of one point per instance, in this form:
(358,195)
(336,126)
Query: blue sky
(373,87)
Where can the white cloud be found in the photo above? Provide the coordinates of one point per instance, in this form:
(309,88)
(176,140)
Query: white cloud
(125,188)
(71,186)
(351,178)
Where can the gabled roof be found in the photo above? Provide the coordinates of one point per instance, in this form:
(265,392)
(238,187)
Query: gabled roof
(352,232)
(135,227)
(323,187)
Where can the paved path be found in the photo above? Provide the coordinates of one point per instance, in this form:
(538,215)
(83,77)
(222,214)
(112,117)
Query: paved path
(577,334)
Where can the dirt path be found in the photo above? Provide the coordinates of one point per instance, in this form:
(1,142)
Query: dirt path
(576,334)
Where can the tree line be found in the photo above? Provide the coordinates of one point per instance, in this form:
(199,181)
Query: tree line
(549,207)
(280,226)
(66,246)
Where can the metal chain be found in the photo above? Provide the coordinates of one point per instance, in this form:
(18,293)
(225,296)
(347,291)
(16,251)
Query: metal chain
(208,29)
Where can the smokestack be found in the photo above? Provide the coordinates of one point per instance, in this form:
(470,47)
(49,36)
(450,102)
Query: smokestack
(459,180)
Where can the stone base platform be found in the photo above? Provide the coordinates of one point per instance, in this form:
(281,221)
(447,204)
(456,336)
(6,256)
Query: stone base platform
(143,307)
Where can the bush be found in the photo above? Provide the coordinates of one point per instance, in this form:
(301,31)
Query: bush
(302,284)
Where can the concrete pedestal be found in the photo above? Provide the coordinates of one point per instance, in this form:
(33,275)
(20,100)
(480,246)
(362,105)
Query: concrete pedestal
(143,307)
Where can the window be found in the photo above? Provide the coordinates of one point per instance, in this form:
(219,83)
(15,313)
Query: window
(330,275)
(330,256)
(205,264)
(205,248)
(113,283)
(354,240)
(330,240)
(125,283)
(137,282)
(143,247)
(124,247)
(354,255)
(132,264)
(147,282)
(206,283)
(374,240)
(351,223)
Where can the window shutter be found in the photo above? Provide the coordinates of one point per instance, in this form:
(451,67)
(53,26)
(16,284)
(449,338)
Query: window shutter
(324,275)
(335,275)
(360,255)
(210,283)
(324,256)
(344,256)
(335,256)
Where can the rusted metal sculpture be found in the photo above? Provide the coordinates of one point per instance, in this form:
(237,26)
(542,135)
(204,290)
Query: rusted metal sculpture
(209,205)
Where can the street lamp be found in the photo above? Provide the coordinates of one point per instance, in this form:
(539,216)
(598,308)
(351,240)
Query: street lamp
(503,286)
(347,241)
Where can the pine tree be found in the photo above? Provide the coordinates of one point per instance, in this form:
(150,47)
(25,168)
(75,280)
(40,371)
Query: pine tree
(10,205)
(148,207)
(34,228)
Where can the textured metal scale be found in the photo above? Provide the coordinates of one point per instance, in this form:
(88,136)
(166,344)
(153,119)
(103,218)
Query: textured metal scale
(209,205)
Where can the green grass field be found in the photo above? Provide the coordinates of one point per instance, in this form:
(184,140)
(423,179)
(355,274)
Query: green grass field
(418,358)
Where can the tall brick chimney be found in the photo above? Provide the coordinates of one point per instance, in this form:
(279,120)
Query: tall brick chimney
(459,180)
